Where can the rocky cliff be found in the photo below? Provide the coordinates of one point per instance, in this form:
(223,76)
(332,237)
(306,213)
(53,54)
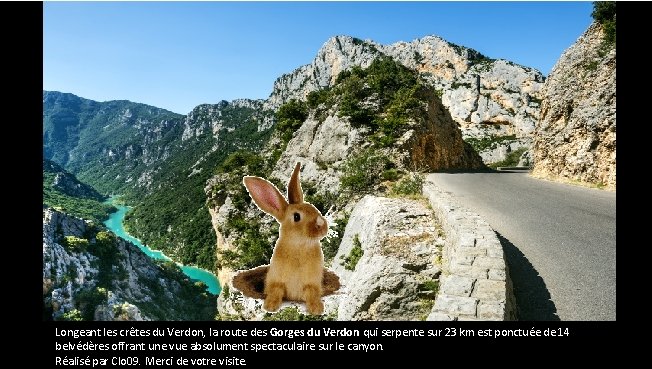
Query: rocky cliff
(389,264)
(366,134)
(351,140)
(90,274)
(576,135)
(430,141)
(389,261)
(494,100)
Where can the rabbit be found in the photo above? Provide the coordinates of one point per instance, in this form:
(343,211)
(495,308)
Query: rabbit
(296,267)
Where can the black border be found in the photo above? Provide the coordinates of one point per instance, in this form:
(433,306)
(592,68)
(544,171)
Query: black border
(22,28)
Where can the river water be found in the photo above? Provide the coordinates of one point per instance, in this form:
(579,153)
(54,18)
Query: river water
(114,223)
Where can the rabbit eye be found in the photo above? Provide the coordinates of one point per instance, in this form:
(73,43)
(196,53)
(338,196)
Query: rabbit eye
(297,217)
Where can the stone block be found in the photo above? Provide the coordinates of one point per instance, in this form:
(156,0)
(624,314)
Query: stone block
(437,316)
(457,285)
(497,274)
(491,310)
(486,289)
(488,262)
(469,271)
(456,305)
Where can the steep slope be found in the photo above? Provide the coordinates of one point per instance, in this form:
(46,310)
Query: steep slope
(158,160)
(368,133)
(576,135)
(111,145)
(386,108)
(90,274)
(63,191)
(173,217)
(496,102)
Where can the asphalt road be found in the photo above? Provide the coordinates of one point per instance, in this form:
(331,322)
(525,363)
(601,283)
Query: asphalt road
(559,240)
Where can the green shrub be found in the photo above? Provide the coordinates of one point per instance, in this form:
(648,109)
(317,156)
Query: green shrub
(511,159)
(604,12)
(411,184)
(237,161)
(252,247)
(75,244)
(330,245)
(316,98)
(73,315)
(431,285)
(488,142)
(290,117)
(382,97)
(104,244)
(321,199)
(455,85)
(591,66)
(351,107)
(390,174)
(88,300)
(354,256)
(363,171)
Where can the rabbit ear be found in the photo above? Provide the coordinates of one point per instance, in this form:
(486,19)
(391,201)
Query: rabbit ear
(266,196)
(295,193)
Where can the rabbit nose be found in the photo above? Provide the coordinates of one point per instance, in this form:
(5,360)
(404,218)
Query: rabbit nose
(320,222)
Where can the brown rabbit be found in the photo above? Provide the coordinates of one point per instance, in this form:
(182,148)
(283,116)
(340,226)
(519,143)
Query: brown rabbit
(296,268)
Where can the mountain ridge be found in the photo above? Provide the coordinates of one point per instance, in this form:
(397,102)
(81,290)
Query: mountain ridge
(496,102)
(161,161)
(63,191)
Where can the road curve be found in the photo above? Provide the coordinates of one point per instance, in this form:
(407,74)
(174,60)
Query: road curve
(559,240)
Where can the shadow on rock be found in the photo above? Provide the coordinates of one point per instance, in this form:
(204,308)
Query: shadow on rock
(533,300)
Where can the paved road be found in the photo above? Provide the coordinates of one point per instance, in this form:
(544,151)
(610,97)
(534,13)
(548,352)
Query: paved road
(560,241)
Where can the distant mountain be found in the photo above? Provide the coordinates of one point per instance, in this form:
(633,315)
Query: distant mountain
(68,184)
(158,160)
(106,144)
(161,161)
(62,190)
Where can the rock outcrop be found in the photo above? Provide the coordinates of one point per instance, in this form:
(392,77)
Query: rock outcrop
(116,282)
(432,142)
(576,135)
(487,97)
(329,144)
(388,263)
(66,183)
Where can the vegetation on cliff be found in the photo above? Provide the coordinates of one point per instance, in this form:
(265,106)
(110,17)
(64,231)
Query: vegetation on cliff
(604,12)
(62,191)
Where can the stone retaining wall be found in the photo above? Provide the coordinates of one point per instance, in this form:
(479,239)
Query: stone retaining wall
(475,283)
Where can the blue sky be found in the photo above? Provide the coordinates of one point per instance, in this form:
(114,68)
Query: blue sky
(177,55)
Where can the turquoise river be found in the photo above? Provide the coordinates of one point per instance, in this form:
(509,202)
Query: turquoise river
(114,223)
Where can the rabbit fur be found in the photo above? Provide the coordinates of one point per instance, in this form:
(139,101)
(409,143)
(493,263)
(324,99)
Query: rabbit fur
(296,267)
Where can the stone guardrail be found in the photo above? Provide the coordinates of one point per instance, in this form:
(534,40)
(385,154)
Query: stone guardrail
(475,282)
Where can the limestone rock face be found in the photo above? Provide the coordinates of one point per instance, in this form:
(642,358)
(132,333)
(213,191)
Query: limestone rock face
(399,243)
(393,278)
(576,135)
(70,276)
(321,148)
(433,143)
(486,97)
